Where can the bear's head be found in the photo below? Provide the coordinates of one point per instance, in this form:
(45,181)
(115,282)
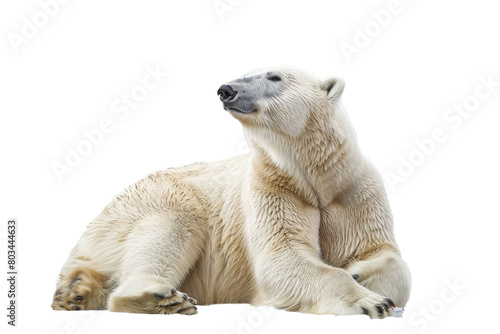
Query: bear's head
(279,99)
(294,119)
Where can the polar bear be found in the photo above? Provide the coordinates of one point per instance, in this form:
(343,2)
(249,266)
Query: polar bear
(302,223)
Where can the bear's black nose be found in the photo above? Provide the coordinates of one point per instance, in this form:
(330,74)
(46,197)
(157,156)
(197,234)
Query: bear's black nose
(226,93)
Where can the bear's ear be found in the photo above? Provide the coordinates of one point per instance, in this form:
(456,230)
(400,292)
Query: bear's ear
(334,87)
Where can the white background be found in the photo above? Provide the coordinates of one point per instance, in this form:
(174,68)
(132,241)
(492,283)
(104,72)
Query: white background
(427,58)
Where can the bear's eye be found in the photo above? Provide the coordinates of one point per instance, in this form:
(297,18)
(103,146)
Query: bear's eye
(275,78)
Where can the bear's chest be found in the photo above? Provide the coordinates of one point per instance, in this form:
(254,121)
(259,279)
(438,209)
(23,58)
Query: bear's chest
(339,237)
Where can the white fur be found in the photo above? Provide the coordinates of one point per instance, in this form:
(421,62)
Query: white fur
(287,225)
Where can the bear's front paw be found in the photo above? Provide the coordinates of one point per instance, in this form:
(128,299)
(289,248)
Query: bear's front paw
(177,302)
(164,300)
(376,306)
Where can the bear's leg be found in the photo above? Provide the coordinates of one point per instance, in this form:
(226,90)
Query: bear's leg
(82,289)
(160,252)
(385,273)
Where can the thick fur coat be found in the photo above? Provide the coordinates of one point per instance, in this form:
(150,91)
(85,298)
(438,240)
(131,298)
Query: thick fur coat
(301,223)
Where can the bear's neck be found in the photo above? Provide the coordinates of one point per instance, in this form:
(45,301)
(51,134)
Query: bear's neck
(320,164)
